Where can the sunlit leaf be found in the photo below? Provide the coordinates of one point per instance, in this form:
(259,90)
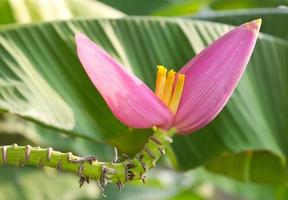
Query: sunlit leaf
(25,11)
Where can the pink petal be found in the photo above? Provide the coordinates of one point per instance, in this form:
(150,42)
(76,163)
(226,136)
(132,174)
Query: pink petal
(212,76)
(130,100)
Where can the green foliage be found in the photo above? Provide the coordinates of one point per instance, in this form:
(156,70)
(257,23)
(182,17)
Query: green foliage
(249,166)
(139,7)
(187,7)
(240,4)
(274,19)
(254,118)
(13,129)
(28,183)
(25,11)
(43,83)
(240,190)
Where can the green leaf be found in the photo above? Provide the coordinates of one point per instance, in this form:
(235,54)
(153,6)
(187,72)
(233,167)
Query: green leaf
(186,7)
(241,190)
(14,129)
(274,19)
(33,184)
(240,4)
(139,7)
(183,7)
(92,8)
(246,166)
(25,11)
(41,80)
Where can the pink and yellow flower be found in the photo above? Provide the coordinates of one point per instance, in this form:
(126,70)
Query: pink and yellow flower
(187,100)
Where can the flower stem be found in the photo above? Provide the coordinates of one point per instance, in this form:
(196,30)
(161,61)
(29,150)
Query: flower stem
(120,171)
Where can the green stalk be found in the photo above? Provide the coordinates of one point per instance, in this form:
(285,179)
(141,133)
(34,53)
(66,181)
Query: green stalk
(87,168)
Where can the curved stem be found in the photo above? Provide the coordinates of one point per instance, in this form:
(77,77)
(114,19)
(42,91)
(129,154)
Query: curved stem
(87,168)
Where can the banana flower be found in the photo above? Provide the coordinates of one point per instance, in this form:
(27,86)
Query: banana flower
(187,100)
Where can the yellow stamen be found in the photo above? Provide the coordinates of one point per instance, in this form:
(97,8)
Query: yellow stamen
(168,87)
(175,100)
(166,90)
(160,81)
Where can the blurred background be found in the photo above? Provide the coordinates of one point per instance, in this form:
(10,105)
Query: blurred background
(47,100)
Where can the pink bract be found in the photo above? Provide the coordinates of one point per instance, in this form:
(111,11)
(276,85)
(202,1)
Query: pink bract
(211,78)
